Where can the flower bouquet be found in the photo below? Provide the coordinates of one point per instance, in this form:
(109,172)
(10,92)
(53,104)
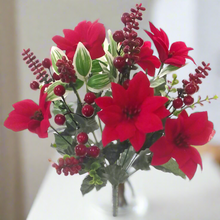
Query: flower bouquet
(127,116)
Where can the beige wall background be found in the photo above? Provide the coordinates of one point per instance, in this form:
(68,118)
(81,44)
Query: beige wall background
(32,23)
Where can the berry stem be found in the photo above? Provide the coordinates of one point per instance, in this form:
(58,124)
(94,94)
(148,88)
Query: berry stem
(69,110)
(95,137)
(100,125)
(61,136)
(76,93)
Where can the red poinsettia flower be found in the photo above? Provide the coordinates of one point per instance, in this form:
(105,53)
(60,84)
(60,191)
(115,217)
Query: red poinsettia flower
(147,61)
(131,113)
(178,52)
(92,35)
(180,134)
(28,115)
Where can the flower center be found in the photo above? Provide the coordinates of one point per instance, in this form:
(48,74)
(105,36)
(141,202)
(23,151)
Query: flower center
(181,141)
(131,112)
(38,116)
(170,54)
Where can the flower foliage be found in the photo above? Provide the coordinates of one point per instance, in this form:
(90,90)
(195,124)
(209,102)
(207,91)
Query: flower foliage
(132,113)
(180,135)
(92,35)
(127,118)
(28,115)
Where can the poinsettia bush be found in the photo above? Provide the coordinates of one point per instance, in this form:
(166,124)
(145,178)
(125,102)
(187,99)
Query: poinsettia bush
(131,117)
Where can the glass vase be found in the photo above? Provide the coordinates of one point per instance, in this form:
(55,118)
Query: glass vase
(116,201)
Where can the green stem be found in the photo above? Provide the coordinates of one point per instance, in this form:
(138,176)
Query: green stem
(61,135)
(95,137)
(69,110)
(161,67)
(126,156)
(76,93)
(100,125)
(115,199)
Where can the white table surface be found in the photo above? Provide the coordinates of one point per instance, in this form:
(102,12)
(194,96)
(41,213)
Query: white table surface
(169,197)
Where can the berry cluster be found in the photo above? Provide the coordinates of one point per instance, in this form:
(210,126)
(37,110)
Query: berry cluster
(88,109)
(37,68)
(81,150)
(130,43)
(66,70)
(69,165)
(190,87)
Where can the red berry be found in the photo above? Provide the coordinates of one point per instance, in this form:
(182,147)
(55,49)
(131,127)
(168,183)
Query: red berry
(34,85)
(124,17)
(81,150)
(55,76)
(46,63)
(126,83)
(93,151)
(118,36)
(87,111)
(82,138)
(139,41)
(190,89)
(59,90)
(177,103)
(61,161)
(90,97)
(59,119)
(119,62)
(188,100)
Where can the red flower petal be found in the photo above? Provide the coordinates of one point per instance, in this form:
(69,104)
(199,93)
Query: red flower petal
(104,102)
(125,130)
(26,107)
(111,115)
(119,95)
(139,89)
(189,168)
(16,122)
(109,134)
(162,148)
(137,140)
(152,104)
(148,123)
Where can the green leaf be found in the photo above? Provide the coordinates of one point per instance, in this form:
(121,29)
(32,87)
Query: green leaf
(108,93)
(116,174)
(96,67)
(56,54)
(171,167)
(86,124)
(82,62)
(215,97)
(157,82)
(95,166)
(61,143)
(112,70)
(113,44)
(143,161)
(86,187)
(98,83)
(112,151)
(101,174)
(168,69)
(78,84)
(125,157)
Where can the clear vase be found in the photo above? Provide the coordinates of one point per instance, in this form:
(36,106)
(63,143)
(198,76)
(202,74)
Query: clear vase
(130,205)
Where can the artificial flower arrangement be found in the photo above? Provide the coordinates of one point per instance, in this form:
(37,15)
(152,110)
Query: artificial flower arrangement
(128,119)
